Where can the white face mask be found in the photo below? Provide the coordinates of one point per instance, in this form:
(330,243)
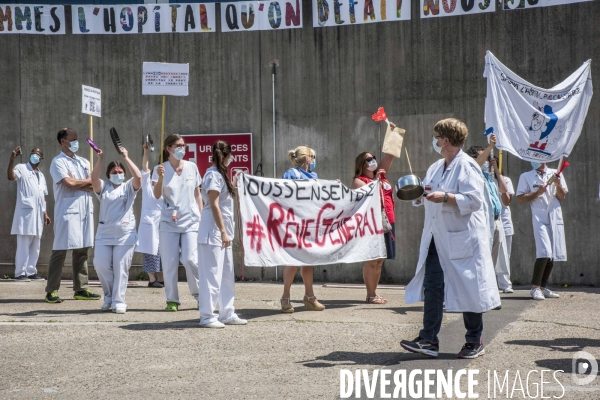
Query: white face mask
(372,166)
(179,153)
(437,148)
(117,179)
(74,146)
(227,162)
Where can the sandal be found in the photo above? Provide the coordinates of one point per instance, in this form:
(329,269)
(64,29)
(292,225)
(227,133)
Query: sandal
(376,300)
(313,305)
(286,306)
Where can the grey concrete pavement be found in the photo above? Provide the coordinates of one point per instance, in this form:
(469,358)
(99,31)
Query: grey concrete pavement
(73,350)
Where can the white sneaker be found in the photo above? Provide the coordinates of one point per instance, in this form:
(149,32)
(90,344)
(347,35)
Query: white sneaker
(214,325)
(537,294)
(236,321)
(550,294)
(120,309)
(508,290)
(106,307)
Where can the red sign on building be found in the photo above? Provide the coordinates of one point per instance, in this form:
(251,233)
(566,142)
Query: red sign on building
(199,150)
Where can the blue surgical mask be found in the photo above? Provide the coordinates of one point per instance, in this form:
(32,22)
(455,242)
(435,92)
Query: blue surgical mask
(117,179)
(179,153)
(34,158)
(312,166)
(74,146)
(437,148)
(536,165)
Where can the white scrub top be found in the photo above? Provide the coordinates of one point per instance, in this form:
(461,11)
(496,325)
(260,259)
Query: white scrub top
(116,222)
(150,217)
(548,225)
(209,232)
(73,208)
(31,201)
(178,196)
(462,236)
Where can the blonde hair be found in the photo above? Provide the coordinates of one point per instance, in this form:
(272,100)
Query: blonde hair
(452,129)
(298,156)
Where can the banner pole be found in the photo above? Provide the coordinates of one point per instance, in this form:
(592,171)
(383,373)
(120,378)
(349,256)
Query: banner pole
(92,139)
(162,128)
(273,70)
(500,161)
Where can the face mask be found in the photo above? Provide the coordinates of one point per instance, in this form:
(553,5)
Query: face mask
(227,162)
(486,166)
(372,166)
(117,179)
(437,148)
(179,153)
(34,159)
(74,146)
(312,166)
(536,165)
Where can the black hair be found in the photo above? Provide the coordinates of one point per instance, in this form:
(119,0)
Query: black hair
(115,164)
(473,151)
(221,149)
(62,134)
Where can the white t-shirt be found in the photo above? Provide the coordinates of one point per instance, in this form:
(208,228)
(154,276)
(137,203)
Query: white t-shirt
(116,223)
(209,232)
(178,197)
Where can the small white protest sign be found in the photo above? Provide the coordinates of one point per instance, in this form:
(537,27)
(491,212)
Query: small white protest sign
(165,79)
(91,101)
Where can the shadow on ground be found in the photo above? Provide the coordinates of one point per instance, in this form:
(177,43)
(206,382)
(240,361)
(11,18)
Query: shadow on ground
(566,345)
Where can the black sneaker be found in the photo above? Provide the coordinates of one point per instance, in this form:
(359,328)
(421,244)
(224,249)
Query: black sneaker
(421,346)
(86,295)
(155,284)
(22,278)
(36,277)
(53,298)
(471,350)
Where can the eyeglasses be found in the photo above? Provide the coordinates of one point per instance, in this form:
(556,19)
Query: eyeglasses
(369,159)
(179,146)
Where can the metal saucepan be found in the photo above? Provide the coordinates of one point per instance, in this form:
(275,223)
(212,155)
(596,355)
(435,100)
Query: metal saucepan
(150,142)
(409,188)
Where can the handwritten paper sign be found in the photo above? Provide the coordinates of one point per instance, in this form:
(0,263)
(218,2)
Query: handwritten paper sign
(165,79)
(91,100)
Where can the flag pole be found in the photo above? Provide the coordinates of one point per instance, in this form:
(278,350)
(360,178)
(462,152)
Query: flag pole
(92,139)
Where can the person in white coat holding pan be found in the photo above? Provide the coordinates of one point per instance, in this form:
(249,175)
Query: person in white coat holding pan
(215,257)
(30,213)
(548,225)
(116,236)
(148,229)
(178,182)
(455,261)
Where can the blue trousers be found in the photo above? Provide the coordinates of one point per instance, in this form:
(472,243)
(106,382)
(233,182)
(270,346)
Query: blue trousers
(433,285)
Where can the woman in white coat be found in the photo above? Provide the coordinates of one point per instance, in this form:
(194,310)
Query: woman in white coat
(548,225)
(455,263)
(116,236)
(148,230)
(178,182)
(215,257)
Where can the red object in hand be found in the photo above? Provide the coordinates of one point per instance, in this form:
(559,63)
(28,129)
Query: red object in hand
(564,165)
(379,115)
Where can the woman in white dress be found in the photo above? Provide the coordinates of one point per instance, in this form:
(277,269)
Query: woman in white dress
(215,257)
(116,236)
(178,182)
(148,230)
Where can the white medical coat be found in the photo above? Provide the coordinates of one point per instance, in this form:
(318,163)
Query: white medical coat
(116,221)
(73,208)
(462,238)
(548,225)
(31,201)
(208,232)
(150,217)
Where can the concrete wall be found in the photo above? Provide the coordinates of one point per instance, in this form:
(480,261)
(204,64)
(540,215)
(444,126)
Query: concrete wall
(329,82)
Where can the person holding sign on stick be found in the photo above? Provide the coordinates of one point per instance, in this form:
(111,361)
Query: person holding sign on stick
(215,257)
(304,160)
(366,170)
(116,236)
(178,182)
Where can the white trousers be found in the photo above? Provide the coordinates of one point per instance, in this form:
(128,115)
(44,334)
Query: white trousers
(170,255)
(508,244)
(500,256)
(28,252)
(217,283)
(112,265)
